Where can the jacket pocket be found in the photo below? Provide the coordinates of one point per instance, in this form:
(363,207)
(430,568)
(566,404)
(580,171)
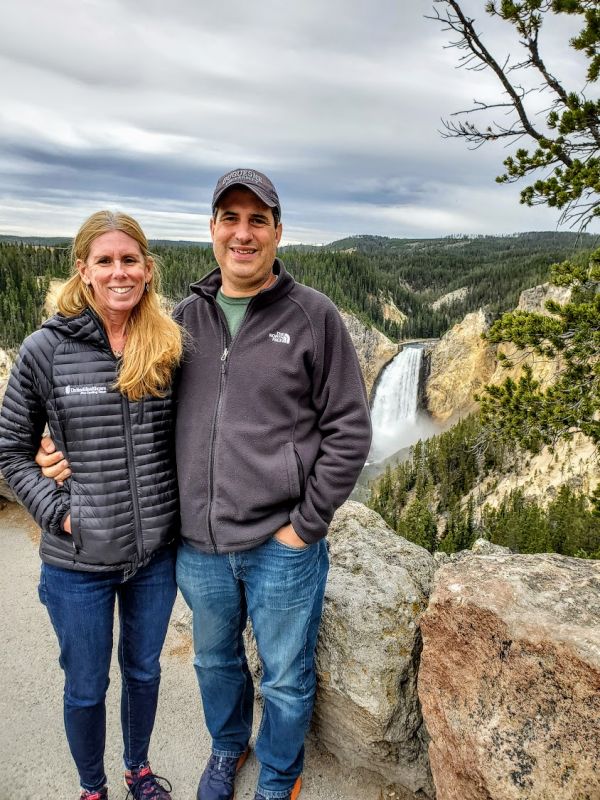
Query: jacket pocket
(289,454)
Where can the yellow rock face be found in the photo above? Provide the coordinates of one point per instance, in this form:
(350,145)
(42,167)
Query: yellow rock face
(461,364)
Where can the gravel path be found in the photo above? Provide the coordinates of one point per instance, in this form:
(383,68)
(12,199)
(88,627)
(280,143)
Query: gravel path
(35,763)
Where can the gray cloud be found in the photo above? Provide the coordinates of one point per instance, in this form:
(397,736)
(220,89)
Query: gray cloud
(142,105)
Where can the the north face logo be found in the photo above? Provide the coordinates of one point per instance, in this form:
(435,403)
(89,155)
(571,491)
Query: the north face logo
(284,338)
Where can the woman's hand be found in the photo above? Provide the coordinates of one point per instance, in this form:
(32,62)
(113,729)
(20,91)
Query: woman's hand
(52,462)
(66,526)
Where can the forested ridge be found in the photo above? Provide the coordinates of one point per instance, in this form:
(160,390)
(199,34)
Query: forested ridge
(431,499)
(358,273)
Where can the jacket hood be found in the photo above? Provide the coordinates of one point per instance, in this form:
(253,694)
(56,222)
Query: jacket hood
(84,327)
(208,286)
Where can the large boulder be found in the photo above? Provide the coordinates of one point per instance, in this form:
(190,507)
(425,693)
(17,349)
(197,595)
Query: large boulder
(510,678)
(367,711)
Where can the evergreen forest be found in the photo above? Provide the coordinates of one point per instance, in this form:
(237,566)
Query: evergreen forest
(358,273)
(431,499)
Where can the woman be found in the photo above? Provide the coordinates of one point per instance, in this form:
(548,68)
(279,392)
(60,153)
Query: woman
(99,373)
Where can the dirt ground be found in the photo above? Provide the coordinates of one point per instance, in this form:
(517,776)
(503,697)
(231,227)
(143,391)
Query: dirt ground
(35,763)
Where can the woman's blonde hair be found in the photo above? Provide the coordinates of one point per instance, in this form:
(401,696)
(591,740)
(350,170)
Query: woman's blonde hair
(154,340)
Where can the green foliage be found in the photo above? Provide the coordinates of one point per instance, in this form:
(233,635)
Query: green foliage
(460,532)
(529,413)
(568,526)
(566,147)
(418,524)
(433,481)
(359,274)
(25,273)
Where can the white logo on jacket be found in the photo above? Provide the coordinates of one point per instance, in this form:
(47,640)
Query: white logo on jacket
(284,338)
(85,389)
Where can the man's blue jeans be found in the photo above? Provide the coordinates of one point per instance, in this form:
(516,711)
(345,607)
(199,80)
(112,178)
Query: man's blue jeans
(281,588)
(81,608)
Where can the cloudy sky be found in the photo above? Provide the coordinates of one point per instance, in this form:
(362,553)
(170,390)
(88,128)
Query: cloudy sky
(142,105)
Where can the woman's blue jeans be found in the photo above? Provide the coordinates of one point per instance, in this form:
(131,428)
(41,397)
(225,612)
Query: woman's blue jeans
(81,608)
(281,588)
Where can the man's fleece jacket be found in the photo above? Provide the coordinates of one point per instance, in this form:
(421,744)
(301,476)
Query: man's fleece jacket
(273,426)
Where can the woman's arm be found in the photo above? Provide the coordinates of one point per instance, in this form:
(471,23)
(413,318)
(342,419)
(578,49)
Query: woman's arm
(22,422)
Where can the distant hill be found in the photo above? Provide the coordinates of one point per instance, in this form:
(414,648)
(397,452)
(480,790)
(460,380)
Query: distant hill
(365,275)
(58,241)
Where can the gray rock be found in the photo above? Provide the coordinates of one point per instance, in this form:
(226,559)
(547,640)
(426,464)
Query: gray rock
(367,712)
(534,299)
(484,547)
(373,348)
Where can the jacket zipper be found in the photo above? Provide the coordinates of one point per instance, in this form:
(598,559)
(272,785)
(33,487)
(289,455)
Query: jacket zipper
(227,343)
(137,523)
(132,484)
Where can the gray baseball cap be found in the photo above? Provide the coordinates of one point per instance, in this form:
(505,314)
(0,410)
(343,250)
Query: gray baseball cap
(250,179)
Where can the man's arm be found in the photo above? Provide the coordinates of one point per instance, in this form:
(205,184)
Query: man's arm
(340,398)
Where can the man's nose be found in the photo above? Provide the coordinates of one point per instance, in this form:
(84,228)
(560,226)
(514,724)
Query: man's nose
(243,232)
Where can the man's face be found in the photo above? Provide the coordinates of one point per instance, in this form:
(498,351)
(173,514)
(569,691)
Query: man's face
(245,241)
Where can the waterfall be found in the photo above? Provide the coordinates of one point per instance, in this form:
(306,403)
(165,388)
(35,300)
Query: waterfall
(394,412)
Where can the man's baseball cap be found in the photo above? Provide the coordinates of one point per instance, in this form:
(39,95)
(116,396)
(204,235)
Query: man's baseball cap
(250,179)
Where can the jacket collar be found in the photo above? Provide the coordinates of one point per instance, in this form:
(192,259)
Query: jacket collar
(84,327)
(208,286)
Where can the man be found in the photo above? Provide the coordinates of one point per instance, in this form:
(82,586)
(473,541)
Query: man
(272,432)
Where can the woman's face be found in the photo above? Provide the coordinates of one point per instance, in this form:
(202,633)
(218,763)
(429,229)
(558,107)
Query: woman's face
(117,273)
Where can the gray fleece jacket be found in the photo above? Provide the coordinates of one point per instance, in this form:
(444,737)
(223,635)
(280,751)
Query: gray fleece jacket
(273,426)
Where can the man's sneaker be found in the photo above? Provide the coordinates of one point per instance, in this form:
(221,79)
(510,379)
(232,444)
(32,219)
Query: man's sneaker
(216,782)
(97,794)
(293,795)
(143,784)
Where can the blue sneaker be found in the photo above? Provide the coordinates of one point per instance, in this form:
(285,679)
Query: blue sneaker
(218,777)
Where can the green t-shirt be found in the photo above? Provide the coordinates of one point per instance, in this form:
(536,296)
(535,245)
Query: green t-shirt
(234,309)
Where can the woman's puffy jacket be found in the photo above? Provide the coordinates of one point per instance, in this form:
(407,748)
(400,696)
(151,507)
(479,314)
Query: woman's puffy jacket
(122,495)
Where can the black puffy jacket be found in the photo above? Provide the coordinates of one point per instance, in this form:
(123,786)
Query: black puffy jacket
(122,495)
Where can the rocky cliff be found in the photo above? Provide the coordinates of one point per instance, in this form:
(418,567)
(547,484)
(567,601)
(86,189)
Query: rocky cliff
(374,349)
(461,363)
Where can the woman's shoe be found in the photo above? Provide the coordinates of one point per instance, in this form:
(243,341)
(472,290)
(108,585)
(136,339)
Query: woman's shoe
(143,784)
(97,794)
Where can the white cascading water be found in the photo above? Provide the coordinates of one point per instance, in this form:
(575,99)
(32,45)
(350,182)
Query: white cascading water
(394,412)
